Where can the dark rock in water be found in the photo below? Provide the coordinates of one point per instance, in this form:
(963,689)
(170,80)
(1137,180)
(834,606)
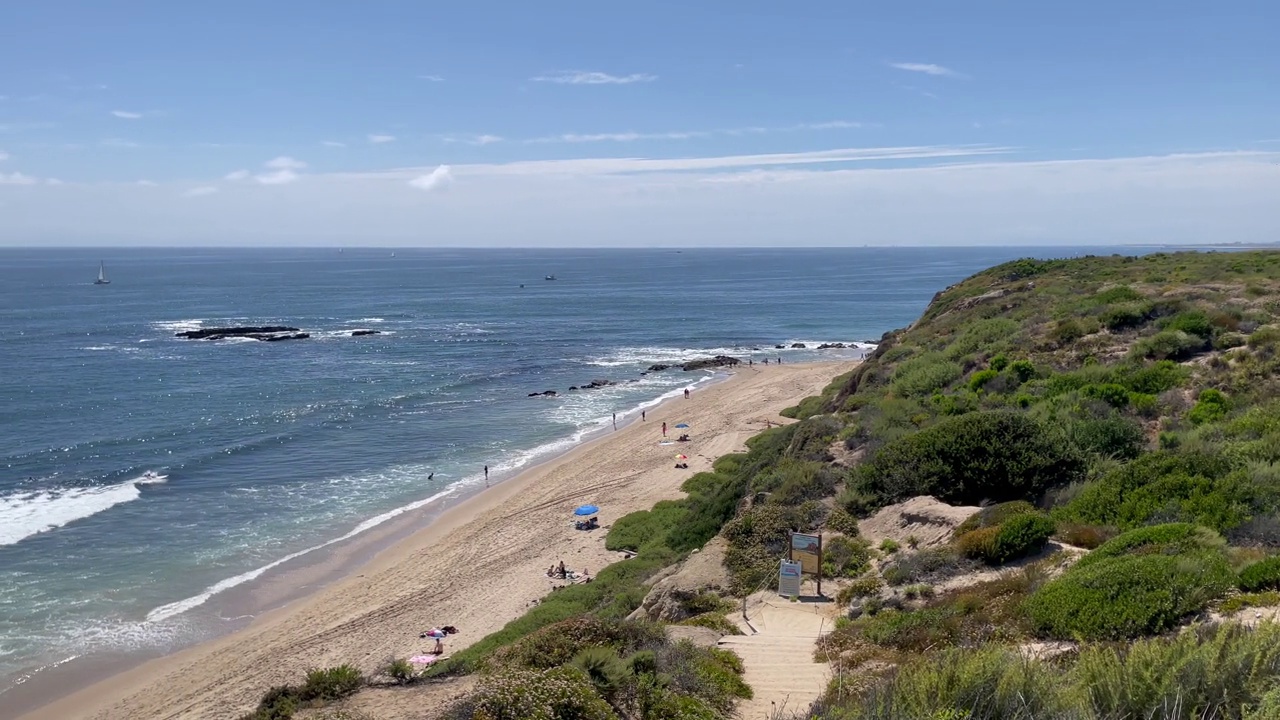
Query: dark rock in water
(832,346)
(597,384)
(244,331)
(705,363)
(544,393)
(779,347)
(659,367)
(358,333)
(798,346)
(573,387)
(284,336)
(755,349)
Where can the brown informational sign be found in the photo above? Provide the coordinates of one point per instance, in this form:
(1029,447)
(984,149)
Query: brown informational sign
(807,550)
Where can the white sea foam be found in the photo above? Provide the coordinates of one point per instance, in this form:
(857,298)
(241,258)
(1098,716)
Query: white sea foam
(164,612)
(23,515)
(666,355)
(177,326)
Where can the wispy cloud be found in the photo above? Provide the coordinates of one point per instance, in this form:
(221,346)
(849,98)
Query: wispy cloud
(126,114)
(119,143)
(690,134)
(3,156)
(16,178)
(431,78)
(927,69)
(52,181)
(237,175)
(583,77)
(200,191)
(284,171)
(332,143)
(435,180)
(472,139)
(378,139)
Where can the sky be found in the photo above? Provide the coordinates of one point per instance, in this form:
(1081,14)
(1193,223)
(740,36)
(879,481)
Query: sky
(663,123)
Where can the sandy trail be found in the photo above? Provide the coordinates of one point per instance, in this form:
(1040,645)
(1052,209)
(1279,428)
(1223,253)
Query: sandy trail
(777,654)
(477,568)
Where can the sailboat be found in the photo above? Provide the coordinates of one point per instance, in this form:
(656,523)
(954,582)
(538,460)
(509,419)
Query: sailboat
(102,275)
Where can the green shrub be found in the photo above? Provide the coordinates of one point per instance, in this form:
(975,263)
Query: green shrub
(331,684)
(638,529)
(862,587)
(603,668)
(843,522)
(562,692)
(931,566)
(1127,315)
(1169,344)
(1113,394)
(1167,539)
(999,363)
(994,455)
(981,378)
(922,376)
(1128,596)
(1083,536)
(889,546)
(713,621)
(1236,603)
(1264,336)
(978,544)
(1192,322)
(993,515)
(847,558)
(278,703)
(559,643)
(1262,575)
(1211,406)
(1023,370)
(1021,536)
(399,670)
(1115,295)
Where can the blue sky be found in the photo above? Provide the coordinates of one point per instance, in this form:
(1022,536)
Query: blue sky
(500,123)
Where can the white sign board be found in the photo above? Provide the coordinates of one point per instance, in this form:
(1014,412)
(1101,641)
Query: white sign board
(789,579)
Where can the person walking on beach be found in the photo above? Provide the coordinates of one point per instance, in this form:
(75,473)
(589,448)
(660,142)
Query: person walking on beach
(486,476)
(664,428)
(642,416)
(686,393)
(615,421)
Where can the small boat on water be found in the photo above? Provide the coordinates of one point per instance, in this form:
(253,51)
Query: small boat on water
(550,277)
(102,275)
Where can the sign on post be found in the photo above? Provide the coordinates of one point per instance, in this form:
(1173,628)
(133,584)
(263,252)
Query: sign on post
(789,579)
(807,549)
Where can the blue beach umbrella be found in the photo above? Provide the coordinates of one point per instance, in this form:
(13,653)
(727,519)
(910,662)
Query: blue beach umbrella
(586,510)
(683,426)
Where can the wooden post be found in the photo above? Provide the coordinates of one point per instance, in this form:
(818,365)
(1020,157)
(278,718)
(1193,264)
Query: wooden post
(819,562)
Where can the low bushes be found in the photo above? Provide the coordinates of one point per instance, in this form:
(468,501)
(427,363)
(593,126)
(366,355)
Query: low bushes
(842,557)
(1221,672)
(562,692)
(320,686)
(1167,539)
(925,566)
(1262,575)
(992,455)
(1128,596)
(1017,537)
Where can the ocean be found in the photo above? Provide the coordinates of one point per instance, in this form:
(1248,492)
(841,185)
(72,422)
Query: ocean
(269,451)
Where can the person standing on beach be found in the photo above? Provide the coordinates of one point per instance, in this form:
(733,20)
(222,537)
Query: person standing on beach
(686,393)
(486,476)
(615,421)
(664,428)
(642,416)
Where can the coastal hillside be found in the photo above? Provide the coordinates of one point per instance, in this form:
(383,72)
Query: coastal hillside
(1055,495)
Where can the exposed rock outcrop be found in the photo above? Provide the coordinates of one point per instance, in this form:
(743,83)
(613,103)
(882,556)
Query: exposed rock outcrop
(258,332)
(798,346)
(658,367)
(544,393)
(358,333)
(832,346)
(706,363)
(703,571)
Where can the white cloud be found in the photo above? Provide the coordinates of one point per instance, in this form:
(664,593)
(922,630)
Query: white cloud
(376,139)
(582,77)
(689,134)
(332,143)
(279,177)
(237,175)
(126,115)
(434,180)
(200,191)
(3,156)
(927,69)
(16,178)
(485,139)
(431,78)
(52,181)
(119,143)
(829,125)
(284,163)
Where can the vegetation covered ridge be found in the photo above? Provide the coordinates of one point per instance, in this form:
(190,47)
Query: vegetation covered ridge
(1117,419)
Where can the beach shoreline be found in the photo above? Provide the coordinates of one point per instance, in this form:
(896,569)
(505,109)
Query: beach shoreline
(477,565)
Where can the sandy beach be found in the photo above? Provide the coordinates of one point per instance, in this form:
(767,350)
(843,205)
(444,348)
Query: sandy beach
(477,568)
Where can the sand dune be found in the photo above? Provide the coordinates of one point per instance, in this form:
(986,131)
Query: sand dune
(477,568)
